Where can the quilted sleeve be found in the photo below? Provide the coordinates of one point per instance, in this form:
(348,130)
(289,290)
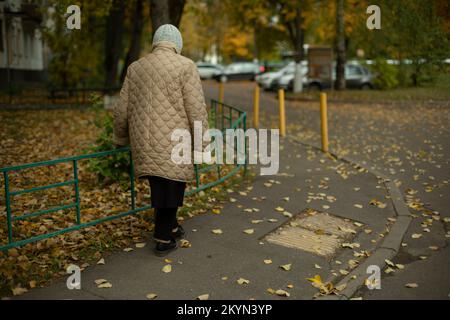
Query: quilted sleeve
(120,134)
(194,101)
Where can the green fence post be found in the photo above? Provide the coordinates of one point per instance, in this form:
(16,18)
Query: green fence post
(8,206)
(133,196)
(77,191)
(245,142)
(197,178)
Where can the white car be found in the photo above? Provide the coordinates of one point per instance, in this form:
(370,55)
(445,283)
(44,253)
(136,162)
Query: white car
(285,81)
(208,70)
(267,80)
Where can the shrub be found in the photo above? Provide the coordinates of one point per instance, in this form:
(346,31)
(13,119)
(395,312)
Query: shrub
(113,168)
(386,75)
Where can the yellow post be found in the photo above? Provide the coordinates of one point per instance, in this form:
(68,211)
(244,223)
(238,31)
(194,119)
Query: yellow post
(282,113)
(256,107)
(221,92)
(324,121)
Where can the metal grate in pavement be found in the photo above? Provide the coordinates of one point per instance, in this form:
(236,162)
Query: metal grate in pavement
(313,231)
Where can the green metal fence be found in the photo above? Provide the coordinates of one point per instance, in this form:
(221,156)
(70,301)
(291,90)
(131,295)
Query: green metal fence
(222,116)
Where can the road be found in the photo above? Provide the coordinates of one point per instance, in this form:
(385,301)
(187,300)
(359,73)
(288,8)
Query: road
(410,143)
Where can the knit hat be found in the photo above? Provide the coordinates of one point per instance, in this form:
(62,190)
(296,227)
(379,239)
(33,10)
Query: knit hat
(169,33)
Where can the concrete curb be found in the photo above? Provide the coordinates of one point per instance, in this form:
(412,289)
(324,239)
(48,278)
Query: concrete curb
(391,243)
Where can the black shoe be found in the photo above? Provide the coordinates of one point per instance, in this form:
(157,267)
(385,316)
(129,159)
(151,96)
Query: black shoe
(162,249)
(179,234)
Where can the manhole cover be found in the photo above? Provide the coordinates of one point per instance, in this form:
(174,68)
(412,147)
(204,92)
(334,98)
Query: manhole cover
(317,232)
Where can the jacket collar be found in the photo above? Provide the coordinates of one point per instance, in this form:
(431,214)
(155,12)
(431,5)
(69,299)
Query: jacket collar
(164,46)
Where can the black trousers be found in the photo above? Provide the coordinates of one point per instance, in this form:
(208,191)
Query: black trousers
(165,222)
(166,196)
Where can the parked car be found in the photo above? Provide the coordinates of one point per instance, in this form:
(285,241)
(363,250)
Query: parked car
(239,71)
(208,70)
(267,80)
(356,77)
(286,81)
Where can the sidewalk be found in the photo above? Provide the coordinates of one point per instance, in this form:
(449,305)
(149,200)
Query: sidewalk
(214,262)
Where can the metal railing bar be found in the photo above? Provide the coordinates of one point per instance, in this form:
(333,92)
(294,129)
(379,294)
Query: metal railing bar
(240,122)
(77,191)
(62,160)
(54,185)
(39,213)
(72,228)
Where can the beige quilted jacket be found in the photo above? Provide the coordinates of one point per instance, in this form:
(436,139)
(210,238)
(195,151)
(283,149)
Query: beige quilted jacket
(162,92)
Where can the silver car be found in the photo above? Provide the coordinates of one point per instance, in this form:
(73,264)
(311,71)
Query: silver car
(356,77)
(267,80)
(208,70)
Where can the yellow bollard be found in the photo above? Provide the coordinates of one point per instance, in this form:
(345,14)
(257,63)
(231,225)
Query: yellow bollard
(324,121)
(256,107)
(221,92)
(282,113)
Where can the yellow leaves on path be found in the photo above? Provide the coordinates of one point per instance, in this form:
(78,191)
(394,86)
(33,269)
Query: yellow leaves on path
(151,296)
(350,245)
(185,243)
(242,281)
(257,221)
(203,297)
(411,285)
(19,291)
(216,231)
(325,288)
(279,292)
(249,231)
(268,261)
(167,268)
(286,267)
(103,284)
(140,245)
(316,281)
(379,204)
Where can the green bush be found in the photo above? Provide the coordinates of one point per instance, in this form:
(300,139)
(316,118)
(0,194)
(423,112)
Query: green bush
(386,75)
(114,168)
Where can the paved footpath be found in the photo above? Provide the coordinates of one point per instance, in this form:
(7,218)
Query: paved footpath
(215,262)
(408,142)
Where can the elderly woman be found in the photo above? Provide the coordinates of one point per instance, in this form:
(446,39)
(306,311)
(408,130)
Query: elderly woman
(162,92)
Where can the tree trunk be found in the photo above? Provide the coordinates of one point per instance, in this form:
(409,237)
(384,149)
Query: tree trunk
(135,44)
(340,46)
(298,45)
(176,8)
(113,41)
(166,11)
